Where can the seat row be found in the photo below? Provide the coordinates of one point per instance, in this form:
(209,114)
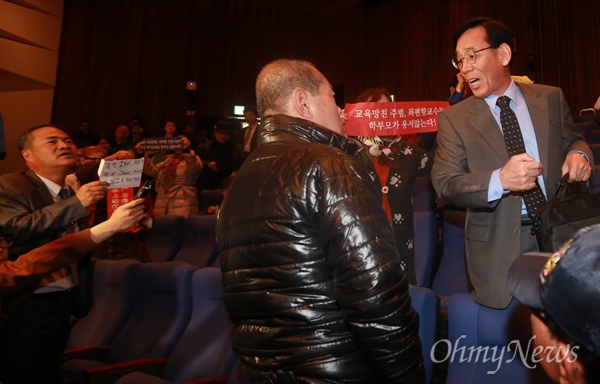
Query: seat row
(177,238)
(155,322)
(166,322)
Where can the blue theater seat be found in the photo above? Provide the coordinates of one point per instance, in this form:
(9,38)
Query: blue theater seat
(159,316)
(426,237)
(426,304)
(199,247)
(165,238)
(205,348)
(115,290)
(478,344)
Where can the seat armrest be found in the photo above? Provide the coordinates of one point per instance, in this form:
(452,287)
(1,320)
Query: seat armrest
(98,353)
(111,372)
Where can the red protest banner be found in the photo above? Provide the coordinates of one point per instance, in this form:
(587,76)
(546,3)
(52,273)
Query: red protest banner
(392,118)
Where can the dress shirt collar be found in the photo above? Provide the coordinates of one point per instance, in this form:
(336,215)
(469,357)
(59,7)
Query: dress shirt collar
(52,187)
(512,91)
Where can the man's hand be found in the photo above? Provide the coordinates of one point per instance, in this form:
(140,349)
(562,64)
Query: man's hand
(91,193)
(462,85)
(123,154)
(127,215)
(577,166)
(520,173)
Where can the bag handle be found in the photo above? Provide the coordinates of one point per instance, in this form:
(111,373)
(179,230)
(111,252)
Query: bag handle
(563,185)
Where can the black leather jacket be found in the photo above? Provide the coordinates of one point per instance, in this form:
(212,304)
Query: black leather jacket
(311,272)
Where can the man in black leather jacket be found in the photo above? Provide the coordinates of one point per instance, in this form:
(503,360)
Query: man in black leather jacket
(311,272)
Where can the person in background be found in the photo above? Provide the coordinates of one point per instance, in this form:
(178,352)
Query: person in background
(221,157)
(85,135)
(459,89)
(36,208)
(137,132)
(472,166)
(563,291)
(311,272)
(397,163)
(250,133)
(122,140)
(105,144)
(170,129)
(176,179)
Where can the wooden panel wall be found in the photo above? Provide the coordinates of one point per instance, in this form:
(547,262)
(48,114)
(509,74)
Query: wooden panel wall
(124,58)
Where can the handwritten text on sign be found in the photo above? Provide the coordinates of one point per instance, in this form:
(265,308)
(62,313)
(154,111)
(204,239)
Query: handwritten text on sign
(121,173)
(392,118)
(161,144)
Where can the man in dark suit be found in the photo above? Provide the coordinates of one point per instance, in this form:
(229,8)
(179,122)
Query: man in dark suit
(35,208)
(472,166)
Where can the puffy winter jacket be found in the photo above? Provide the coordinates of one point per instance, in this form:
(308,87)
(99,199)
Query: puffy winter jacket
(311,272)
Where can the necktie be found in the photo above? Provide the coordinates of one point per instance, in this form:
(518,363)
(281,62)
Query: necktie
(64,194)
(533,198)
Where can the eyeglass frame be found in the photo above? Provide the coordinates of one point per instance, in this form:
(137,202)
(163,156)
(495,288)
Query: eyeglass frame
(459,63)
(6,239)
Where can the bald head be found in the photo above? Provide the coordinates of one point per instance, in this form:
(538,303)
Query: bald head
(278,79)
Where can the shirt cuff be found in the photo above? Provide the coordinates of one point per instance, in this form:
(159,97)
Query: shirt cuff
(495,190)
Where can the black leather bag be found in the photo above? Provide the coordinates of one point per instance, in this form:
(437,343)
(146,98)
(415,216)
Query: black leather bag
(569,210)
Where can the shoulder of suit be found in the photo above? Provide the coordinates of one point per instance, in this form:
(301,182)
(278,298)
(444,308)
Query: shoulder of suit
(19,179)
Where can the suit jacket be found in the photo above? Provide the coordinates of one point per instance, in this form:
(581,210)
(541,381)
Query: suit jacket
(28,212)
(470,147)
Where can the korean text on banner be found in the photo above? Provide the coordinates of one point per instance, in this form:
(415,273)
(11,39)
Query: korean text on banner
(158,144)
(393,118)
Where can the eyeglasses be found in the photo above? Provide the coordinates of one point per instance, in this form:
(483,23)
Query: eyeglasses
(6,241)
(470,57)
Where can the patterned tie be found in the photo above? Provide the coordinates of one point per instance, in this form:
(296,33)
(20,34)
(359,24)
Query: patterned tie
(64,194)
(533,198)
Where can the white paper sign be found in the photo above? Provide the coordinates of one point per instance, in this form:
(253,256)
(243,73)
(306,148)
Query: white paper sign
(121,173)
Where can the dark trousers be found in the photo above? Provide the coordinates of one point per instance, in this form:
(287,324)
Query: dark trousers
(33,339)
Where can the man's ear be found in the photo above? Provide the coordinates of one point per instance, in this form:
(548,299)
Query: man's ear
(571,371)
(26,153)
(301,103)
(505,54)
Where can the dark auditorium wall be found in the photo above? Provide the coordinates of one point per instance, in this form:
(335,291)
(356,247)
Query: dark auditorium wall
(124,58)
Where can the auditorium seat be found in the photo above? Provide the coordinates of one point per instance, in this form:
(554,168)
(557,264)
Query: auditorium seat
(595,178)
(205,348)
(165,238)
(426,237)
(236,377)
(426,304)
(199,246)
(451,276)
(115,289)
(479,339)
(159,316)
(423,194)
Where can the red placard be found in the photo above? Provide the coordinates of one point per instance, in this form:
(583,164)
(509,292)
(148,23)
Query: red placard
(393,118)
(115,197)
